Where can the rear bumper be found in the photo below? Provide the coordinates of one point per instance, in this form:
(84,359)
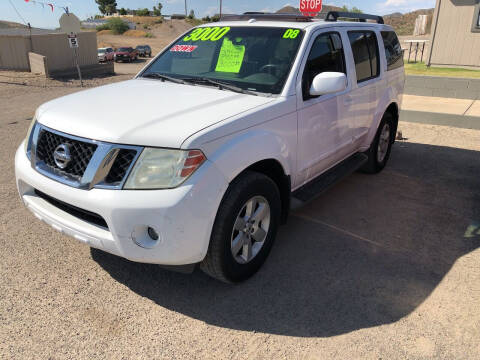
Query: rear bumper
(183,217)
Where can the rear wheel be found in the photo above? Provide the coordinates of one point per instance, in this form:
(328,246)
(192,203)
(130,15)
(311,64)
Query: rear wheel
(380,150)
(245,228)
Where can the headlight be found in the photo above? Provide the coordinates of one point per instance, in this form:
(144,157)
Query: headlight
(163,168)
(29,135)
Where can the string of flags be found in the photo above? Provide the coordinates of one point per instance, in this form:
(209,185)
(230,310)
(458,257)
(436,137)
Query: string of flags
(49,4)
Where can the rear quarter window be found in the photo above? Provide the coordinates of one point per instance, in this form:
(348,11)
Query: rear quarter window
(393,50)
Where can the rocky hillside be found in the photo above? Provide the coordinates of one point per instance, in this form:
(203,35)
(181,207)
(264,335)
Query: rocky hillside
(404,24)
(10,25)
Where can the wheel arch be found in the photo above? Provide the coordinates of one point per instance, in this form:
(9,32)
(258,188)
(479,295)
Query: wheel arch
(260,151)
(274,170)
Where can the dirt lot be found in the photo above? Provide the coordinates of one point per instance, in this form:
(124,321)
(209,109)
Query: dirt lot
(163,34)
(379,267)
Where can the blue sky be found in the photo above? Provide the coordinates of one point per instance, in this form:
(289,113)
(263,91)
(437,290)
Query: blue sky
(43,17)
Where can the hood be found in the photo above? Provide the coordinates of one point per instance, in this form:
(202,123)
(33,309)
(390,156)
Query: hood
(144,112)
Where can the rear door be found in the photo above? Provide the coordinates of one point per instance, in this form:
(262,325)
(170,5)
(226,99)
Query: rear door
(368,85)
(324,136)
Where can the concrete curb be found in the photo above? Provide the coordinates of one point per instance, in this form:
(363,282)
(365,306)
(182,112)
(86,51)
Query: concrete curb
(458,121)
(457,88)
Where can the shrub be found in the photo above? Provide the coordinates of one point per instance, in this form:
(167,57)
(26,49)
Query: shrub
(117,25)
(103,27)
(143,12)
(149,35)
(145,26)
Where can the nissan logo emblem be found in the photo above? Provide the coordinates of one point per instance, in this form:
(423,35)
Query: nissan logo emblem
(62,156)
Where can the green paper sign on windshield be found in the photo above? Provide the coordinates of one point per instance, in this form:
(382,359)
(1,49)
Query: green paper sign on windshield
(230,58)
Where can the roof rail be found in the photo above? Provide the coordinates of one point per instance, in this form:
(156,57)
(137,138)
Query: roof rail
(334,15)
(261,16)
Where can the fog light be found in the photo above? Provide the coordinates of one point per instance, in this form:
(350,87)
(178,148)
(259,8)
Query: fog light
(152,233)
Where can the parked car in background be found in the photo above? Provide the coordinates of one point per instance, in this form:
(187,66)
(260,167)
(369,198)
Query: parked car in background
(144,50)
(126,54)
(105,54)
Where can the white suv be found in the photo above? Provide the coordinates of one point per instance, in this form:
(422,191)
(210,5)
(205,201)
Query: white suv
(217,138)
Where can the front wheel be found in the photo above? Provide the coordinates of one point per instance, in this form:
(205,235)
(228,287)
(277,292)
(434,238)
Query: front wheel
(244,229)
(380,150)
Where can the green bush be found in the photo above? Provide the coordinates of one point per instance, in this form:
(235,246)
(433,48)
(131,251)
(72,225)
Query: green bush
(103,27)
(117,25)
(143,12)
(145,26)
(149,35)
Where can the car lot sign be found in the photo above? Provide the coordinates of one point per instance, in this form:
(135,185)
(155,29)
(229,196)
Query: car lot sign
(69,23)
(310,7)
(73,40)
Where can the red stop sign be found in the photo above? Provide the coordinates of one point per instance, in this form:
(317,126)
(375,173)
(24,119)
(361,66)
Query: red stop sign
(310,7)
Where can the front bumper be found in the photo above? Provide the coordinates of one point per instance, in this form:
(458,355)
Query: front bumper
(183,217)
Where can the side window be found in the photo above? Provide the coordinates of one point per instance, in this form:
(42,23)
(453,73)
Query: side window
(366,54)
(393,50)
(326,55)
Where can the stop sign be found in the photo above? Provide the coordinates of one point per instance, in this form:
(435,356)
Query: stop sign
(310,7)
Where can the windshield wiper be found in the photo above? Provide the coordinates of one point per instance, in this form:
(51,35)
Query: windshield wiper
(163,77)
(221,85)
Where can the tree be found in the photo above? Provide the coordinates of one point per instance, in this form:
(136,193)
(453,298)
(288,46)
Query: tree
(122,11)
(107,6)
(157,11)
(192,14)
(352,10)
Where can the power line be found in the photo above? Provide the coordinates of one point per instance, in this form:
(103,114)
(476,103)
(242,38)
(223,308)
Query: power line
(20,16)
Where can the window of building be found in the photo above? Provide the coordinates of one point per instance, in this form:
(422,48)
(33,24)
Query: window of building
(366,54)
(393,50)
(326,55)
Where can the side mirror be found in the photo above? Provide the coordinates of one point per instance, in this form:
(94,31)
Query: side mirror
(328,83)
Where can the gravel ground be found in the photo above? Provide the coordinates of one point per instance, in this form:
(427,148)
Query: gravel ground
(379,267)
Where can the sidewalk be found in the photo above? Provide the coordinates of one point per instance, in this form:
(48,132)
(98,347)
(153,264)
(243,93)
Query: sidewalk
(459,113)
(442,105)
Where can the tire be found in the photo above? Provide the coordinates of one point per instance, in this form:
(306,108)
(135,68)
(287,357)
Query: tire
(377,159)
(220,262)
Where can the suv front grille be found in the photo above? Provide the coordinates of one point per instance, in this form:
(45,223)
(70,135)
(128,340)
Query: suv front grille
(85,163)
(81,153)
(120,166)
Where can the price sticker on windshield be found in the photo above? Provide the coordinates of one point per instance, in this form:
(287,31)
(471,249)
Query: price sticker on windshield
(207,34)
(183,48)
(230,58)
(291,34)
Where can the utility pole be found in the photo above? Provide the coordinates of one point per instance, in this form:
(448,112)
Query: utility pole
(186,8)
(220,9)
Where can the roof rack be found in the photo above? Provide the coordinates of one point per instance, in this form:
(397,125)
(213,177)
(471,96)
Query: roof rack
(334,15)
(266,17)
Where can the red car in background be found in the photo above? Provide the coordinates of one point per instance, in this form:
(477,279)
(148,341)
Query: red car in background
(126,54)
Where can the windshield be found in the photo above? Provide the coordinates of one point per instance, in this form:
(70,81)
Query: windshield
(251,58)
(123,50)
(101,52)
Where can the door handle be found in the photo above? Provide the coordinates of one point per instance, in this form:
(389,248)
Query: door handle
(348,100)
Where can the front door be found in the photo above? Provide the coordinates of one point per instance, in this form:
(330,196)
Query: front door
(324,122)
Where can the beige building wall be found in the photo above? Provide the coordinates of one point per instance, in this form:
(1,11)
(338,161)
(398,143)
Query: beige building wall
(453,41)
(59,54)
(14,51)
